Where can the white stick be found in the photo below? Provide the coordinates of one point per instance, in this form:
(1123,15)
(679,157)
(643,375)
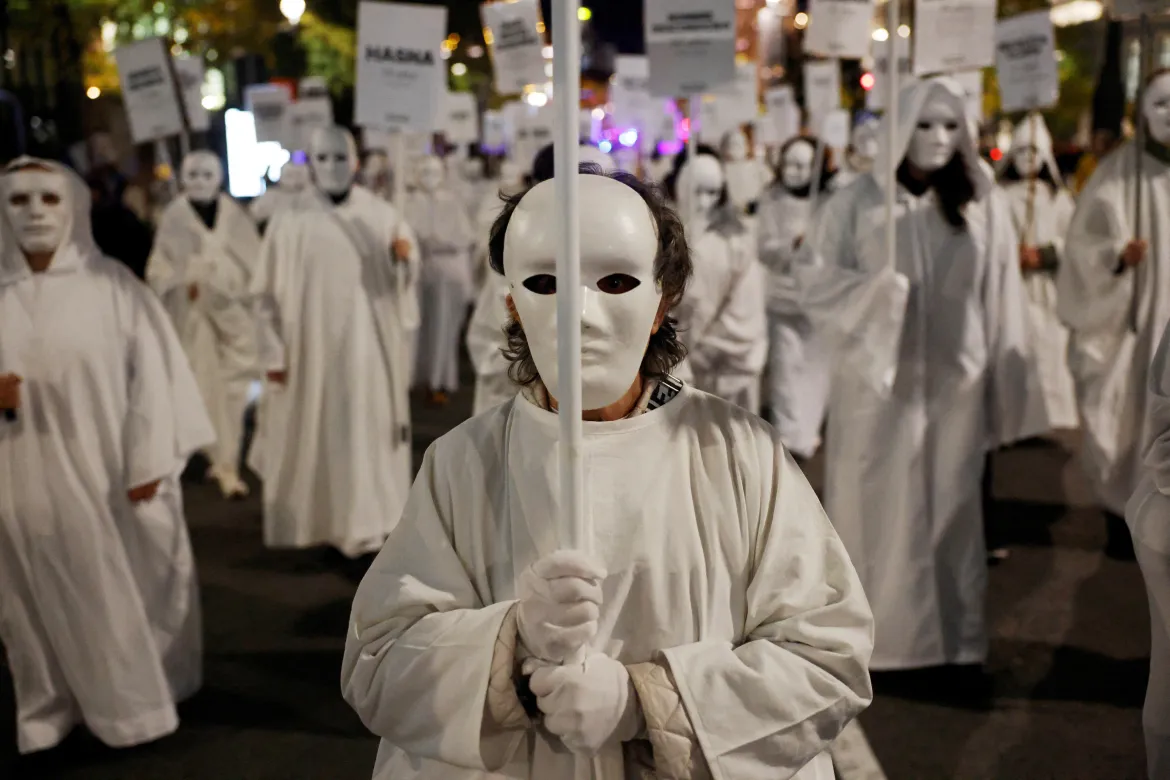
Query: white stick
(398,153)
(891,132)
(694,107)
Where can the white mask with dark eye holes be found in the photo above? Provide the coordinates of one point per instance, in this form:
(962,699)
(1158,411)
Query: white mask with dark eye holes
(201,176)
(866,140)
(1156,108)
(936,135)
(796,172)
(1027,161)
(707,179)
(37,205)
(430,174)
(332,158)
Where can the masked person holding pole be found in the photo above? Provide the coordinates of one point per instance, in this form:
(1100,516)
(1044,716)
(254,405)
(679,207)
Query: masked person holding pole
(99,411)
(335,290)
(1114,295)
(727,635)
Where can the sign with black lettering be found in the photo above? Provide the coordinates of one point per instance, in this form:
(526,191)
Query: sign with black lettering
(461,120)
(690,45)
(269,104)
(401,79)
(1025,58)
(516,45)
(189,71)
(149,90)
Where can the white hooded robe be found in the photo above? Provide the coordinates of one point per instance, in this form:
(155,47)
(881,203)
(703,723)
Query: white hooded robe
(485,344)
(99,605)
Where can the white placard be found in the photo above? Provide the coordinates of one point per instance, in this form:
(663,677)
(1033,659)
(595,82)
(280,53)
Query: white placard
(1025,58)
(835,129)
(630,93)
(516,48)
(302,118)
(690,45)
(400,76)
(953,35)
(822,90)
(312,87)
(533,131)
(269,105)
(495,131)
(875,99)
(1125,8)
(738,101)
(839,28)
(148,89)
(462,118)
(189,71)
(712,124)
(783,115)
(972,83)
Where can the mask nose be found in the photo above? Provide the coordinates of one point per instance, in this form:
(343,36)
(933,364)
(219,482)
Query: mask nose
(590,308)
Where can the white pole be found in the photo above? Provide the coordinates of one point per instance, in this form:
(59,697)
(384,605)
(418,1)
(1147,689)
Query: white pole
(892,88)
(694,107)
(398,153)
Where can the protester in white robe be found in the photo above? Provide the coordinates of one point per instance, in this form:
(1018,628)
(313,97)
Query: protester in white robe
(746,176)
(1042,209)
(510,181)
(798,368)
(294,178)
(201,267)
(930,371)
(722,317)
(376,175)
(718,585)
(99,605)
(446,241)
(336,294)
(1114,297)
(864,142)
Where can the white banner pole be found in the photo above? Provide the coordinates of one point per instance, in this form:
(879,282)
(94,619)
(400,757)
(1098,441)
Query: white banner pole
(892,87)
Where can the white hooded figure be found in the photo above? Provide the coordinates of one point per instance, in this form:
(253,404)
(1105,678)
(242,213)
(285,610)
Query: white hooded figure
(746,176)
(294,178)
(1114,296)
(336,294)
(376,175)
(930,371)
(99,412)
(446,241)
(722,317)
(1041,210)
(718,584)
(201,267)
(798,368)
(864,142)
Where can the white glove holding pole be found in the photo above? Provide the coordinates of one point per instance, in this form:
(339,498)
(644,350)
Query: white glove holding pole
(560,598)
(587,704)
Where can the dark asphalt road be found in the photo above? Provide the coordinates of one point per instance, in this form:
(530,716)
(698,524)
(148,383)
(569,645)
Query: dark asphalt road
(1068,657)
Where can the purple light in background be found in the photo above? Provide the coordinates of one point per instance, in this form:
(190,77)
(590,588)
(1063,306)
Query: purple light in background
(669,148)
(300,158)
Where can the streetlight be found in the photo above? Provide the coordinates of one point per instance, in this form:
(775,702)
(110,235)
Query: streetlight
(800,20)
(93,93)
(293,10)
(881,34)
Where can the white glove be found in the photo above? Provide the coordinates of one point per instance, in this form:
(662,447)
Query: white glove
(560,597)
(588,705)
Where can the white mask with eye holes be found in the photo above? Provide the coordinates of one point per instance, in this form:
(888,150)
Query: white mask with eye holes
(201,176)
(735,147)
(37,206)
(1156,108)
(866,140)
(796,172)
(1027,161)
(707,179)
(430,174)
(620,298)
(332,158)
(936,136)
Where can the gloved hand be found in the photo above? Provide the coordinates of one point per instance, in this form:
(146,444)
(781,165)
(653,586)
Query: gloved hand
(560,597)
(588,705)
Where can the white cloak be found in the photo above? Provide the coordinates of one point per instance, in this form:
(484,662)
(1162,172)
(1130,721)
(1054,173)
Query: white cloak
(931,369)
(333,445)
(798,368)
(1115,318)
(99,605)
(721,565)
(486,342)
(218,329)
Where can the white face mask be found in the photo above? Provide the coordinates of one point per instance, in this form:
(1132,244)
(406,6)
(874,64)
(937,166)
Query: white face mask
(430,174)
(37,204)
(736,148)
(293,177)
(707,179)
(1156,108)
(1027,162)
(798,164)
(201,177)
(620,298)
(866,141)
(935,137)
(331,161)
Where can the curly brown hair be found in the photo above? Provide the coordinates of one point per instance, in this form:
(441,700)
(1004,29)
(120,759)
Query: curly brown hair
(672,272)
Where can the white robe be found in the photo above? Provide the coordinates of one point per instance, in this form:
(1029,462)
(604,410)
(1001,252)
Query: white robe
(99,605)
(446,241)
(1051,213)
(333,445)
(1115,319)
(218,328)
(931,369)
(720,563)
(485,342)
(798,368)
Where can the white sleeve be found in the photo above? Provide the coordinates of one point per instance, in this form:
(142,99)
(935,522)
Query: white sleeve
(763,709)
(269,343)
(737,341)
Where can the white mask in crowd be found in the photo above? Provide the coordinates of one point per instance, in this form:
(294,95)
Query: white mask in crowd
(1027,162)
(866,140)
(430,174)
(201,176)
(620,299)
(333,160)
(936,136)
(293,177)
(796,172)
(735,148)
(37,205)
(1156,108)
(707,179)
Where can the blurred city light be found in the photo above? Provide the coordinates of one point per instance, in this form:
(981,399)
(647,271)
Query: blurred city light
(536,99)
(475,51)
(867,81)
(904,31)
(93,93)
(1076,12)
(800,20)
(584,14)
(605,146)
(599,113)
(293,10)
(629,137)
(881,34)
(547,51)
(458,69)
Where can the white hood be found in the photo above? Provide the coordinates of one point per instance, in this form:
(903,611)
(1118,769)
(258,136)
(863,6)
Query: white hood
(1023,136)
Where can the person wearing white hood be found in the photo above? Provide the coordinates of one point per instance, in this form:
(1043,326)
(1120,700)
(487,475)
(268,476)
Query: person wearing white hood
(99,605)
(722,317)
(294,179)
(724,631)
(335,291)
(931,370)
(863,150)
(1041,210)
(798,370)
(376,175)
(1114,297)
(446,240)
(746,176)
(201,268)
